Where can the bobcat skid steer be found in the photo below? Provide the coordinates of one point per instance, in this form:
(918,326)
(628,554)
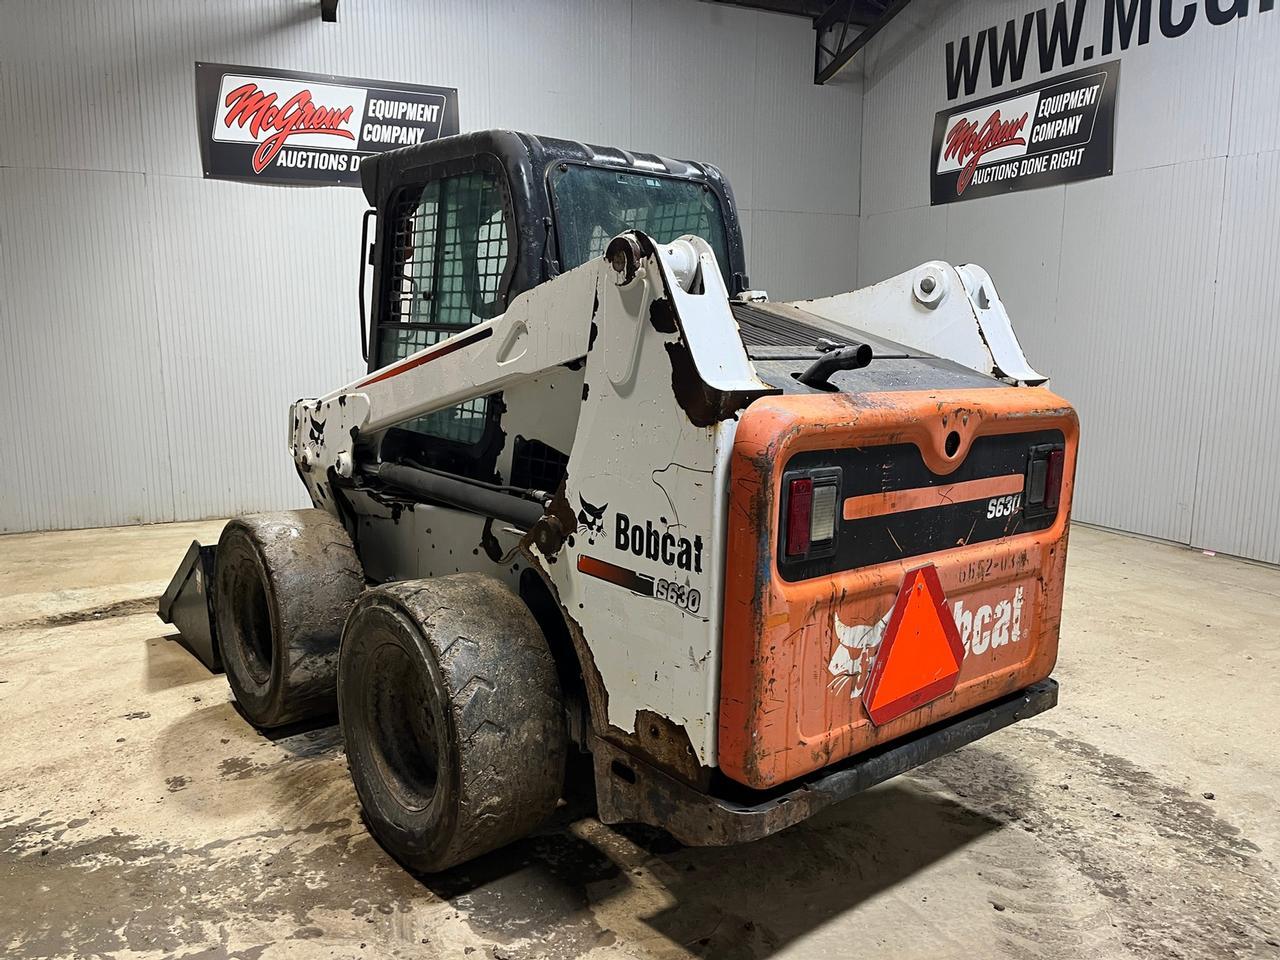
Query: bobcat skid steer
(595,495)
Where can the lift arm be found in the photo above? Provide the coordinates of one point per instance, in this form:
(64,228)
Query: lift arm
(556,323)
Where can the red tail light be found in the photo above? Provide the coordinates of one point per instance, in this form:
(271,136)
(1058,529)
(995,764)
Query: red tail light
(799,515)
(1043,486)
(1053,479)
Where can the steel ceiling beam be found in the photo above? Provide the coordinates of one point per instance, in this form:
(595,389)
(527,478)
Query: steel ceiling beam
(868,17)
(809,9)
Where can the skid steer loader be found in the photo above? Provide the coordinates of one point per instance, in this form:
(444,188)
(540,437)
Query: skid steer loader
(595,495)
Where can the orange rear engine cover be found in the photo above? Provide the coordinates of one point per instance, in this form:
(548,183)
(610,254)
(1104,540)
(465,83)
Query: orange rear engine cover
(945,591)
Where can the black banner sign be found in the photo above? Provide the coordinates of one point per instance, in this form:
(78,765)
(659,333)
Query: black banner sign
(280,126)
(1054,131)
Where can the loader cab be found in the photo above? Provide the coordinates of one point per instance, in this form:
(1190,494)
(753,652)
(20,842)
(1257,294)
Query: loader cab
(465,224)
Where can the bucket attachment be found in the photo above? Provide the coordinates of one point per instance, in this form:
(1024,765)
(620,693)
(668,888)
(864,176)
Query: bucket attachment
(187,603)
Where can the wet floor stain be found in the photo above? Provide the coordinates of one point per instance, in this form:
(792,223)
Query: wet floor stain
(118,892)
(1171,877)
(1149,870)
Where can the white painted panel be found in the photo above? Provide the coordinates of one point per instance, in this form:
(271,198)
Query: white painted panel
(892,243)
(578,94)
(1237,507)
(257,304)
(800,256)
(69,85)
(807,136)
(694,80)
(1175,96)
(84,427)
(1255,116)
(1018,239)
(1134,298)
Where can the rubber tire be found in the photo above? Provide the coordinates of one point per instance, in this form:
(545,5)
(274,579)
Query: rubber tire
(285,583)
(474,655)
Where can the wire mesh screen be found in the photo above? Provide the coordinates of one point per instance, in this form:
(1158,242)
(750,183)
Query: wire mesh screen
(537,465)
(449,254)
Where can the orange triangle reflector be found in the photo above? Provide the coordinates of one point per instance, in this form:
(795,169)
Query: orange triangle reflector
(921,654)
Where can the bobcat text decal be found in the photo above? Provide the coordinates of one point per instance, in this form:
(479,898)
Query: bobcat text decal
(656,544)
(982,629)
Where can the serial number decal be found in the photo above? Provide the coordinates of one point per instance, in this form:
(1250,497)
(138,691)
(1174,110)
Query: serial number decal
(987,567)
(684,597)
(1003,506)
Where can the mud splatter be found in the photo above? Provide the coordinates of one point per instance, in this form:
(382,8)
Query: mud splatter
(236,768)
(118,892)
(106,611)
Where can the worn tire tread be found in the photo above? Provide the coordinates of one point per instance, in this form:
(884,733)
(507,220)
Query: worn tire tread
(505,714)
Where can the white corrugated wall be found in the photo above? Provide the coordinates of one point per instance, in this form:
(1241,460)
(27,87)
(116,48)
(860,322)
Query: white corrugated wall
(154,326)
(1148,296)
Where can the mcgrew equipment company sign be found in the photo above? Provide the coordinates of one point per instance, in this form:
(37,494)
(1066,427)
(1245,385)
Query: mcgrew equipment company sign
(277,126)
(1054,131)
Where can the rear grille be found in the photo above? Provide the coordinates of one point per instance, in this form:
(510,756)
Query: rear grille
(764,328)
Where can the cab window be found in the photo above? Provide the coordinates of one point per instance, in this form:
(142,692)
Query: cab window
(449,262)
(595,204)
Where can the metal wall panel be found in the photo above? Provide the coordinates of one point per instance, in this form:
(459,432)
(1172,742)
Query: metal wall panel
(807,137)
(1255,119)
(156,325)
(69,85)
(1142,299)
(820,249)
(84,431)
(1134,296)
(976,234)
(592,39)
(693,74)
(892,242)
(1239,453)
(1175,98)
(246,328)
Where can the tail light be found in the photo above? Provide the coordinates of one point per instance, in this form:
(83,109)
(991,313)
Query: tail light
(799,516)
(1044,479)
(810,513)
(1053,480)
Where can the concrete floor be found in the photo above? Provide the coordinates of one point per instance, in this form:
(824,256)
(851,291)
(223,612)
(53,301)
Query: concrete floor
(140,816)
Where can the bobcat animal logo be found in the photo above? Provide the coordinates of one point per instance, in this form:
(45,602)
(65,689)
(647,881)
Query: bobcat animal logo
(855,654)
(317,431)
(591,519)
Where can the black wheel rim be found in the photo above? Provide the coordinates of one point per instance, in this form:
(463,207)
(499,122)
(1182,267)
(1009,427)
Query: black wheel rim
(399,715)
(254,624)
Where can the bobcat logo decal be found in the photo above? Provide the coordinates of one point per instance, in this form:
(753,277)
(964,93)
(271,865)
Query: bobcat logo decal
(855,654)
(591,519)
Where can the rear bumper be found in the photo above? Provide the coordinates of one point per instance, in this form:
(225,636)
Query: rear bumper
(629,790)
